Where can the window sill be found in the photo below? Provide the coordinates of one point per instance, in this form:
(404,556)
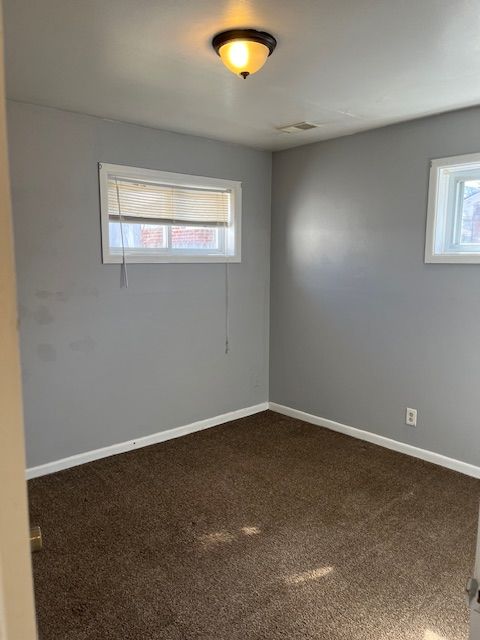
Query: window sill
(179,259)
(454,258)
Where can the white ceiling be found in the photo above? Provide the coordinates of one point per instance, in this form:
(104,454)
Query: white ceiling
(348,65)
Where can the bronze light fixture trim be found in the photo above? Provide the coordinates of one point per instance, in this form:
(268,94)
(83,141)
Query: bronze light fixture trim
(244,51)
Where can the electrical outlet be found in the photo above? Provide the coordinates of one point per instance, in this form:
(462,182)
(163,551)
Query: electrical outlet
(411,417)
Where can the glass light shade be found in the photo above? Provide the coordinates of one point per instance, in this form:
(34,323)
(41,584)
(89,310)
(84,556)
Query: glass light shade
(243,57)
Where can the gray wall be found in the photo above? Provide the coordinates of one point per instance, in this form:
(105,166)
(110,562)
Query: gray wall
(361,328)
(102,364)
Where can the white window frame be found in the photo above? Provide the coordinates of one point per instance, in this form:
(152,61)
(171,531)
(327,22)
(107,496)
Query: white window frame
(233,230)
(441,220)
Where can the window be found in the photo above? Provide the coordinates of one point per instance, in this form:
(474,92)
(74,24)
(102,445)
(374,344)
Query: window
(453,220)
(154,216)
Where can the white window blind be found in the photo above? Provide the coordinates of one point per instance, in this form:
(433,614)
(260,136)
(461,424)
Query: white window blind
(149,202)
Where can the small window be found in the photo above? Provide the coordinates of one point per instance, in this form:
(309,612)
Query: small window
(154,216)
(453,220)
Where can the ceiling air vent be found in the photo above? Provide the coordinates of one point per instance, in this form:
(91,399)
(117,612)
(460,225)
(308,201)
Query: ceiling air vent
(300,126)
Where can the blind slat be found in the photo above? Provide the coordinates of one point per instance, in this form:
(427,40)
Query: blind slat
(167,203)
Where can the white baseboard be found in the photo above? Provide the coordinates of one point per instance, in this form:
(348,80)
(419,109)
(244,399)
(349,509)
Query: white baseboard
(176,432)
(401,447)
(129,445)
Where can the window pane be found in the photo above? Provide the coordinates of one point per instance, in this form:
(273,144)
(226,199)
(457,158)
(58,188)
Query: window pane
(470,231)
(137,236)
(185,237)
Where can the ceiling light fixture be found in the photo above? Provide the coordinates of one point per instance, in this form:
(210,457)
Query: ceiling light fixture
(244,51)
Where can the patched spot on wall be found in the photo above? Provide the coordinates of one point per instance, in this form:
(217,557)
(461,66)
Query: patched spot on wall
(84,345)
(61,296)
(42,315)
(47,352)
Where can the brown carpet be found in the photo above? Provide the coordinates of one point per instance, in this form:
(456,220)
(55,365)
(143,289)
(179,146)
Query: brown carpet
(265,528)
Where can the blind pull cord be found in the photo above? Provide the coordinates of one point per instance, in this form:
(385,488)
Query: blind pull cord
(123,267)
(227,309)
(227,292)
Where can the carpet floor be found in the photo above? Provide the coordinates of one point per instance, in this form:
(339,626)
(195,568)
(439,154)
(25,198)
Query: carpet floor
(264,528)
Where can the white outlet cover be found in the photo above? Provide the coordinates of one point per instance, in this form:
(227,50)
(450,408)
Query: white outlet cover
(411,417)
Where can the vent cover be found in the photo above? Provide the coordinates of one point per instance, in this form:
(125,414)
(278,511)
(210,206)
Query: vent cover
(299,126)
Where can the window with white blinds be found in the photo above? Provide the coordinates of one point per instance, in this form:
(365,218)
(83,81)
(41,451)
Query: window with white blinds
(155,216)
